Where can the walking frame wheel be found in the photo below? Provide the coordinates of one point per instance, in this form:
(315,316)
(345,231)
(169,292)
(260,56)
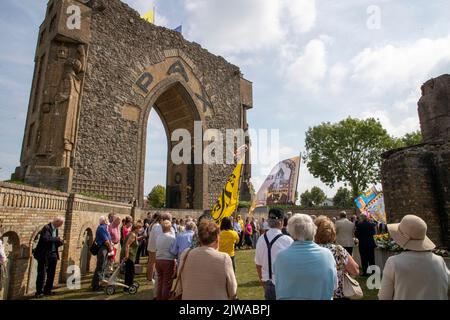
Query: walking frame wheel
(132,289)
(110,290)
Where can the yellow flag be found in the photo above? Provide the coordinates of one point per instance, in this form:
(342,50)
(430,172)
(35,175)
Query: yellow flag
(149,16)
(229,198)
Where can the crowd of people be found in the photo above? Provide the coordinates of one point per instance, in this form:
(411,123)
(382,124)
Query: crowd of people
(297,256)
(314,260)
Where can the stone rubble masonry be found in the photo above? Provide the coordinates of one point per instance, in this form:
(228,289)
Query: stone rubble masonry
(98,147)
(416,180)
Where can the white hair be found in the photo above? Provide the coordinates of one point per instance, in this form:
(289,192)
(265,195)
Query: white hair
(301,227)
(190,225)
(102,220)
(58,219)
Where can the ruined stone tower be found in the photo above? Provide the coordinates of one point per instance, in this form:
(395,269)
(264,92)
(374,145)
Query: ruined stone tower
(416,180)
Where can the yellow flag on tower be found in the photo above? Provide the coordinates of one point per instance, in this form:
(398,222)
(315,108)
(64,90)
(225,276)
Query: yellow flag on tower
(229,198)
(149,16)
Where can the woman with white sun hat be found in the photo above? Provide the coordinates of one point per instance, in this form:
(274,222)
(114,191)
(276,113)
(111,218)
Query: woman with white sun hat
(417,273)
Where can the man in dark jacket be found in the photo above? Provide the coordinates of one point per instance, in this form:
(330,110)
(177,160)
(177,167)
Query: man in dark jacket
(365,230)
(47,256)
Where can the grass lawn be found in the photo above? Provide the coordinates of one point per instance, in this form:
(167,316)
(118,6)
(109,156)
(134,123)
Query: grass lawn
(248,285)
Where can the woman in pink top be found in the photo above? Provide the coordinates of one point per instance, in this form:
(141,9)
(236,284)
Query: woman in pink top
(248,231)
(114,232)
(126,229)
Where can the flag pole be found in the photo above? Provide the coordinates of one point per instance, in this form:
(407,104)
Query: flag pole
(244,158)
(298,175)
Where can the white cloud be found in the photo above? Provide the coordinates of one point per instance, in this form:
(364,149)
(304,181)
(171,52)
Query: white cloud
(338,73)
(307,70)
(301,14)
(400,67)
(410,102)
(234,26)
(397,128)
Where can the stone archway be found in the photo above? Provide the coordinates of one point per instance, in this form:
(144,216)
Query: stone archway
(94,141)
(11,242)
(174,99)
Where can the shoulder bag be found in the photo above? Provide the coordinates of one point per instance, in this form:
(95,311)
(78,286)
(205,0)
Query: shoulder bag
(177,288)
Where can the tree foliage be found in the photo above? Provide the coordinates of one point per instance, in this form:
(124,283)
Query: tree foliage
(408,140)
(157,197)
(348,151)
(343,198)
(313,198)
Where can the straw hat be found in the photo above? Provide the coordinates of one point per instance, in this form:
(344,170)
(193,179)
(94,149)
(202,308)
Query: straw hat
(411,234)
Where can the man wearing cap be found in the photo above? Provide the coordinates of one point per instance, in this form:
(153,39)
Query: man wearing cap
(417,273)
(269,245)
(344,232)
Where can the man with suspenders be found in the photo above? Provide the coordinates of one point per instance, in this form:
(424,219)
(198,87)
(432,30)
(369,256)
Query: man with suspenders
(267,249)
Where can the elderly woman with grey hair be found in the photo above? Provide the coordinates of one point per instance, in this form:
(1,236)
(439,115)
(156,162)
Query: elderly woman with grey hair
(304,271)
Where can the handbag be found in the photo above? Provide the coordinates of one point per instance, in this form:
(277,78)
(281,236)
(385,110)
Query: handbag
(351,288)
(177,289)
(95,248)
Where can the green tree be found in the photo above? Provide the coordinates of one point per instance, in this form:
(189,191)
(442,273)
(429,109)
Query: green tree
(343,198)
(408,140)
(313,198)
(157,197)
(348,151)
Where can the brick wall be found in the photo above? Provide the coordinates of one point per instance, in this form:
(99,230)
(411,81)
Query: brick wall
(25,210)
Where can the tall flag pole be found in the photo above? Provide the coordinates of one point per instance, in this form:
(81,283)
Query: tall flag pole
(298,176)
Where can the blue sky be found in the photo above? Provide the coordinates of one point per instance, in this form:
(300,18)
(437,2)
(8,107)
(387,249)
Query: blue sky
(309,60)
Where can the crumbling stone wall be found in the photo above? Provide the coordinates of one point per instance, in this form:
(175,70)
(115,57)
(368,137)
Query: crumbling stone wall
(434,109)
(415,181)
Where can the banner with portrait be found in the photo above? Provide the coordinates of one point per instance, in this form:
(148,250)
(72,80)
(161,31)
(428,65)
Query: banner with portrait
(280,186)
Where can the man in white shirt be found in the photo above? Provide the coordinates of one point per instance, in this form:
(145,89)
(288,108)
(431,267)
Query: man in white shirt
(344,232)
(265,258)
(155,231)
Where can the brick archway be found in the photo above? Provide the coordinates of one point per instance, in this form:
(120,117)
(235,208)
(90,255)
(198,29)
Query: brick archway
(11,242)
(32,270)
